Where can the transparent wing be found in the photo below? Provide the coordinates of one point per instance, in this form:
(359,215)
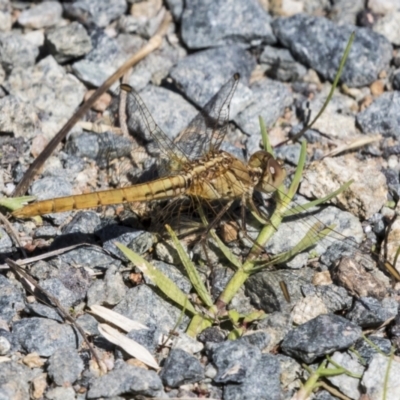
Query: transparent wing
(208,129)
(140,120)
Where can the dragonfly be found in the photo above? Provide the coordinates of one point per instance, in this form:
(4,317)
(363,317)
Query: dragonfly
(193,166)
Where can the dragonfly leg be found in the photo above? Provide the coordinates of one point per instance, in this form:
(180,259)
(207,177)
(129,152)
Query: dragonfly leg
(220,214)
(257,214)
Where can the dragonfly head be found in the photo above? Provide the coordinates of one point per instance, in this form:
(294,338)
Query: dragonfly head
(272,173)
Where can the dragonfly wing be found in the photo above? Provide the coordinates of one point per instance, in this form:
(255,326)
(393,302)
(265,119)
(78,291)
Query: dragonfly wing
(140,119)
(208,129)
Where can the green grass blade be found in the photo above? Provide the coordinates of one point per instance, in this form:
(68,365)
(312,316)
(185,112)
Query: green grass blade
(226,251)
(334,85)
(265,139)
(197,325)
(303,207)
(299,172)
(396,256)
(166,285)
(16,202)
(191,270)
(311,238)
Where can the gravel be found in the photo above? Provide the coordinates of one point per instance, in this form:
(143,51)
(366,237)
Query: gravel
(54,54)
(321,45)
(322,335)
(216,23)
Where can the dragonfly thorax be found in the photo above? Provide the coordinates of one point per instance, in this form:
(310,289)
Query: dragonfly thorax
(219,176)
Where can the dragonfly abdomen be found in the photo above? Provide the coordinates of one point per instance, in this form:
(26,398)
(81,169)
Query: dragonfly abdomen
(159,189)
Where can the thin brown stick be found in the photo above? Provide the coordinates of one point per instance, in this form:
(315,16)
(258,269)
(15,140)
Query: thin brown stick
(12,233)
(149,47)
(29,260)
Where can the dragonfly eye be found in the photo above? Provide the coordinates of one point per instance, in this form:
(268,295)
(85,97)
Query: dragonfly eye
(273,174)
(276,172)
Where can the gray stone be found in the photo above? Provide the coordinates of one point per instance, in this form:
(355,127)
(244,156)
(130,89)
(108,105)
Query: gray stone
(156,66)
(345,12)
(349,386)
(262,385)
(181,368)
(14,380)
(367,352)
(41,16)
(89,257)
(5,241)
(280,64)
(49,187)
(53,93)
(338,118)
(382,116)
(44,336)
(16,51)
(220,277)
(11,300)
(41,310)
(137,240)
(383,6)
(319,44)
(379,372)
(149,338)
(269,100)
(320,336)
(277,325)
(61,393)
(235,361)
(291,373)
(126,379)
(389,26)
(83,222)
(5,346)
(108,291)
(265,291)
(65,366)
(98,12)
(334,297)
(68,42)
(55,287)
(6,19)
(213,66)
(259,339)
(143,19)
(104,59)
(143,305)
(187,343)
(216,23)
(76,279)
(316,7)
(290,153)
(89,324)
(369,312)
(176,8)
(102,148)
(211,334)
(46,232)
(43,270)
